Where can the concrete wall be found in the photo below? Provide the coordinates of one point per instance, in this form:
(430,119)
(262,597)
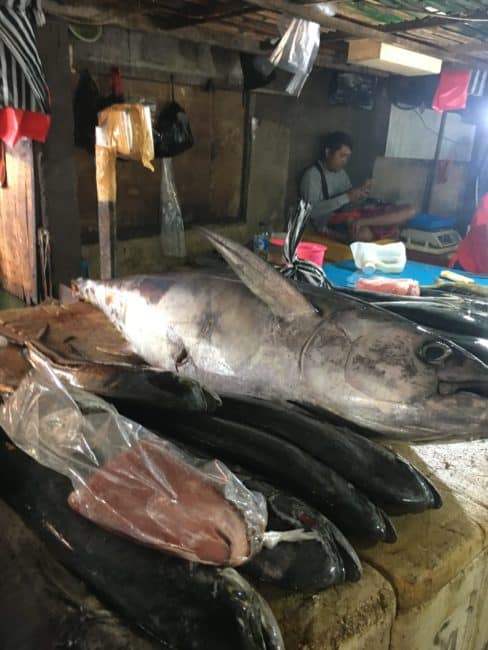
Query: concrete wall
(283,135)
(207,176)
(286,139)
(403,180)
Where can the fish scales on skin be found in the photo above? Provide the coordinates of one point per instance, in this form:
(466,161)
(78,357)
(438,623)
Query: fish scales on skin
(181,604)
(462,320)
(261,344)
(280,462)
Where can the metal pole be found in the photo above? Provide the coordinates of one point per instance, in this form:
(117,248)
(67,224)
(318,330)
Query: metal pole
(433,167)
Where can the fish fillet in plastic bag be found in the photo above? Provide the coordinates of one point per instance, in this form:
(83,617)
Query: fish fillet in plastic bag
(132,482)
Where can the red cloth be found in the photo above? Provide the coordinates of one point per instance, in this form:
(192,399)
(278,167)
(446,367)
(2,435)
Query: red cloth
(380,232)
(472,252)
(452,91)
(16,123)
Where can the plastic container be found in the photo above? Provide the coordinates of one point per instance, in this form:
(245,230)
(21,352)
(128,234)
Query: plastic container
(387,258)
(306,250)
(424,221)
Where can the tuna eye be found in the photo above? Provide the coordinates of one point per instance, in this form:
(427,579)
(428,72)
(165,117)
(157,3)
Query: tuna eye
(435,352)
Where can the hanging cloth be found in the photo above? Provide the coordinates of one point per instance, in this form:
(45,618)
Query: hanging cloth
(24,94)
(452,91)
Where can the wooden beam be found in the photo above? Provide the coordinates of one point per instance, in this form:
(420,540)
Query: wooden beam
(417,23)
(197,34)
(427,22)
(357,30)
(214,13)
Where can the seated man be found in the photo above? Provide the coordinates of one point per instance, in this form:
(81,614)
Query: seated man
(326,186)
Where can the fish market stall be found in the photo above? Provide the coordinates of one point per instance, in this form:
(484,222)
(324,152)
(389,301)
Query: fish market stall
(235,412)
(424,590)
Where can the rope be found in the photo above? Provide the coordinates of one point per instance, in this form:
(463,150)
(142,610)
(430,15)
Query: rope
(295,268)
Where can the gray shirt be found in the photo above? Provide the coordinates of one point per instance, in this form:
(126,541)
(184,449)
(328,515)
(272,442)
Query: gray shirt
(338,184)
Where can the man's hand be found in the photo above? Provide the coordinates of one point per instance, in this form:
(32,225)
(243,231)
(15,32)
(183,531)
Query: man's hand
(360,193)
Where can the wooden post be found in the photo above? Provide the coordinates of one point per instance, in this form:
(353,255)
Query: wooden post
(105,164)
(57,177)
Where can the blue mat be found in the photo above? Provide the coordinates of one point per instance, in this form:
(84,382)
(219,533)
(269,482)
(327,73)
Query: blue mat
(344,274)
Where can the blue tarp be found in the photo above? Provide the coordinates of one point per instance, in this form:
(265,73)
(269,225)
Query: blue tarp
(344,274)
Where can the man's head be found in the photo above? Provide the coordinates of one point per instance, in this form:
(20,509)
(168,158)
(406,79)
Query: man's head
(337,150)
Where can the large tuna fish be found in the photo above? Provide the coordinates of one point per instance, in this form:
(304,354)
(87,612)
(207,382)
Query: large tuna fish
(262,337)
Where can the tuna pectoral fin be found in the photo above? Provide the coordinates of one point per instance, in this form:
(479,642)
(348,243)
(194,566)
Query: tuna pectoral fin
(284,300)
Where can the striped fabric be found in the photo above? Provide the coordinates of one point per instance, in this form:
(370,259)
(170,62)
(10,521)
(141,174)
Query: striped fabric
(22,81)
(296,269)
(478,82)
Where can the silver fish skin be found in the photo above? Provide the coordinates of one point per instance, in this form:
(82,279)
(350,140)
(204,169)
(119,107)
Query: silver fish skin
(365,365)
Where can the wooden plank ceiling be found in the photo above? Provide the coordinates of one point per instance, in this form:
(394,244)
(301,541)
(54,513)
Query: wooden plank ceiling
(454,30)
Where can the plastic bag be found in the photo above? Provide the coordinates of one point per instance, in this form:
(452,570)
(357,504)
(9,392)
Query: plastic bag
(172,133)
(131,481)
(85,111)
(172,227)
(127,131)
(296,52)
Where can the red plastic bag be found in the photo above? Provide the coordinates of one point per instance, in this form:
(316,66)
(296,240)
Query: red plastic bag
(472,253)
(452,91)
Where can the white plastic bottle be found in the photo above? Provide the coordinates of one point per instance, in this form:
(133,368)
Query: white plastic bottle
(386,258)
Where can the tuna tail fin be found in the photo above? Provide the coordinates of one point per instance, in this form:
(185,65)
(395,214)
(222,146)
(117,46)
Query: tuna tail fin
(284,300)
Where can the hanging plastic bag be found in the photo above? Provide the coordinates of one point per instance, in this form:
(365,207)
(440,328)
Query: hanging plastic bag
(172,134)
(296,52)
(131,481)
(127,130)
(172,227)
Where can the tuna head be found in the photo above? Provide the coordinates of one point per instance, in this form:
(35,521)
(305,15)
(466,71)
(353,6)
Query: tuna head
(388,375)
(369,366)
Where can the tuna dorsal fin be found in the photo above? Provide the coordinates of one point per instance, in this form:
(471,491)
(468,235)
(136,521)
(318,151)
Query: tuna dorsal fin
(284,300)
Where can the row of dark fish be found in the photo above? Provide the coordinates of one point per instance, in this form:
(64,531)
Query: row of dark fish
(329,468)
